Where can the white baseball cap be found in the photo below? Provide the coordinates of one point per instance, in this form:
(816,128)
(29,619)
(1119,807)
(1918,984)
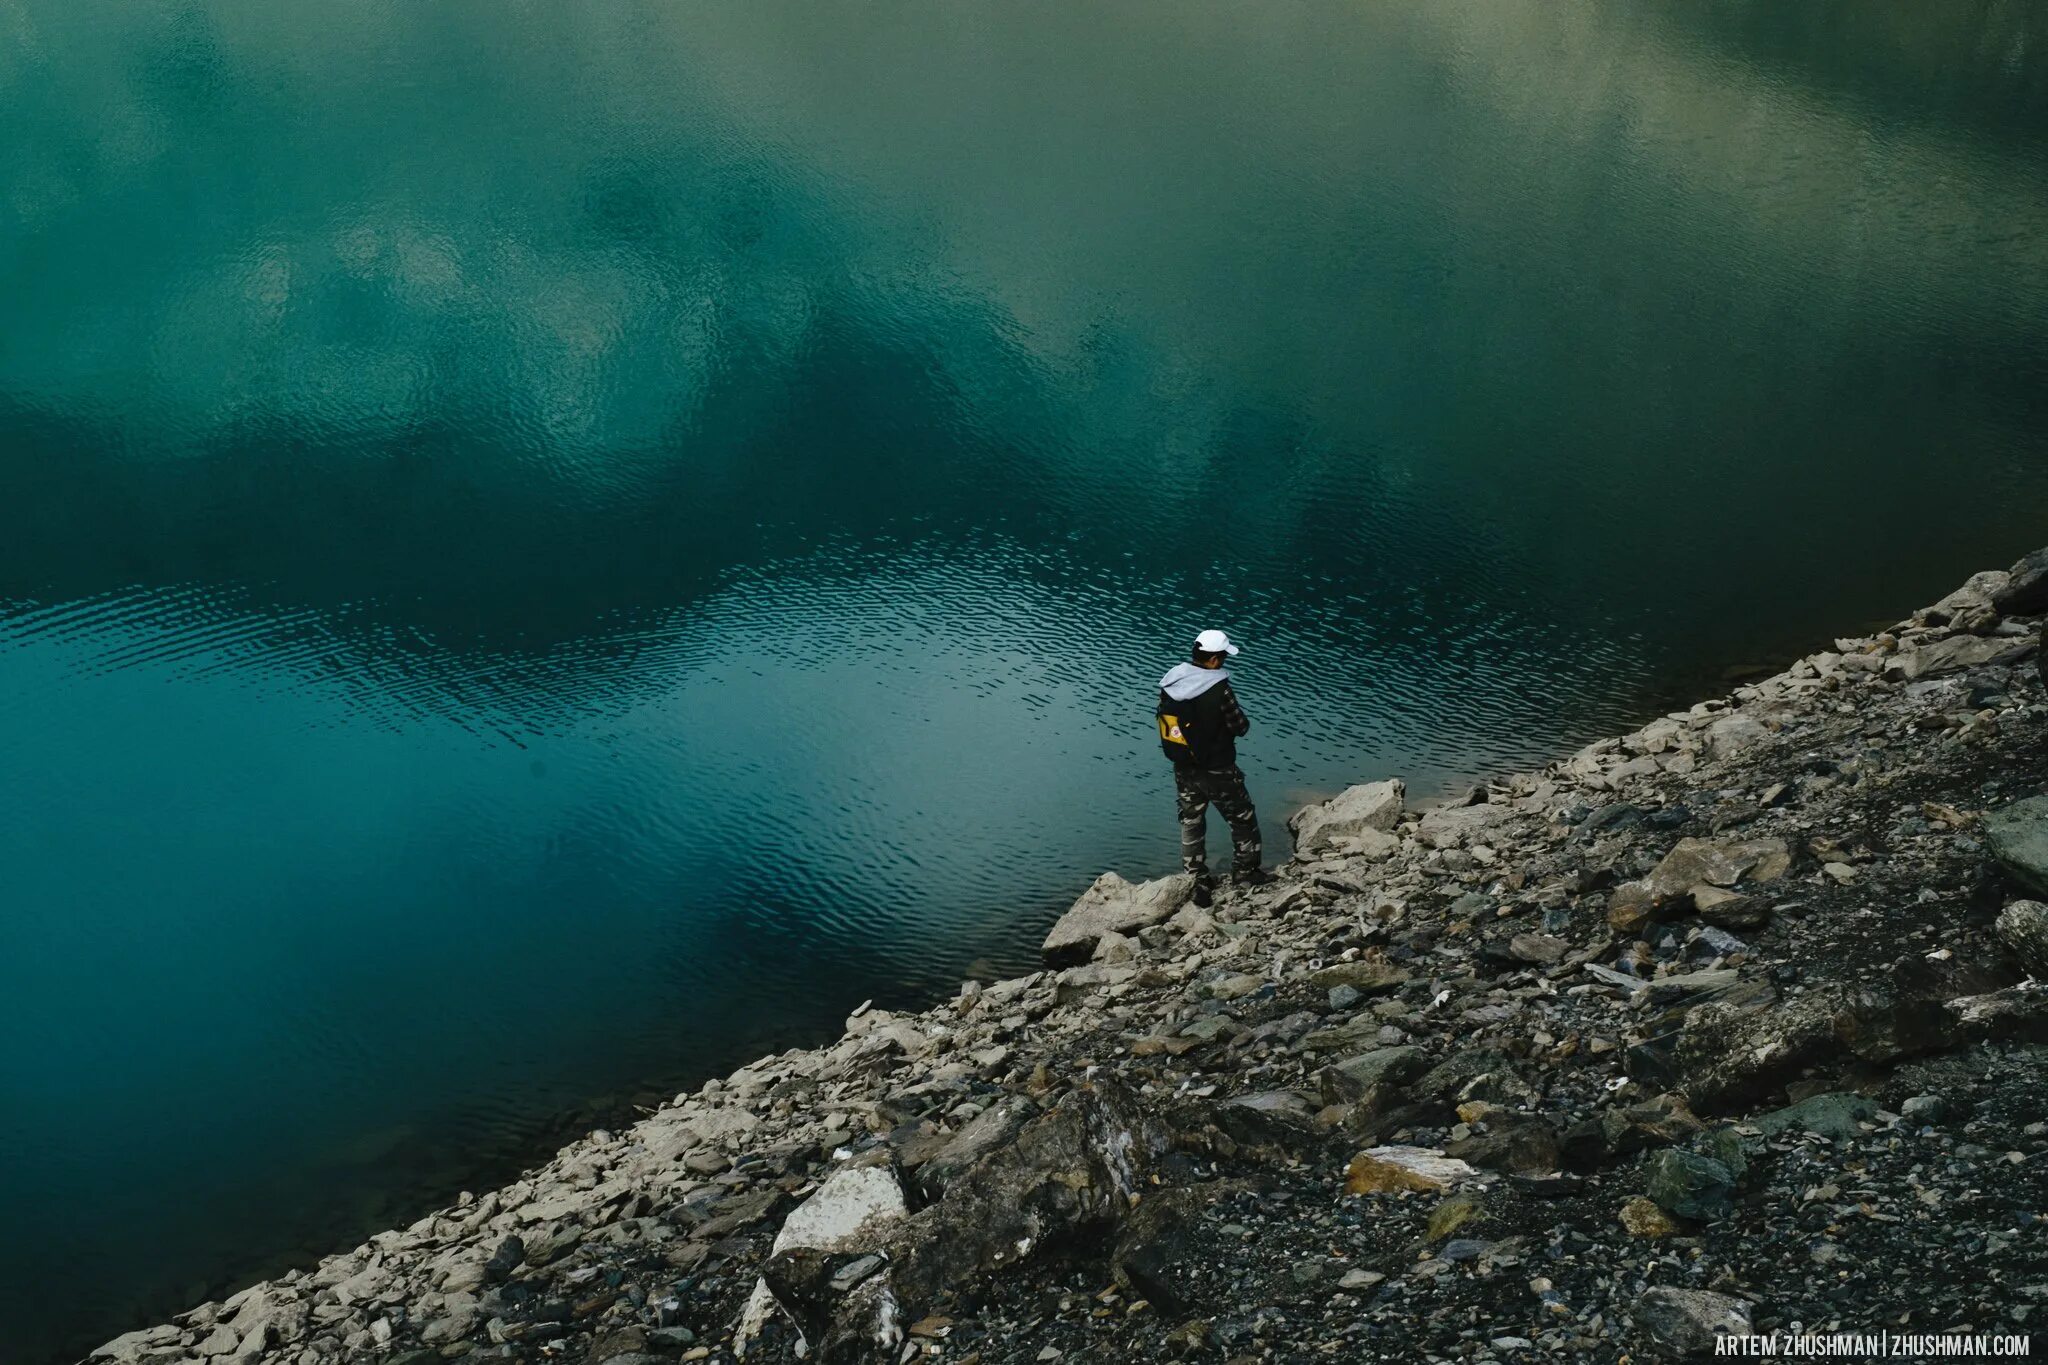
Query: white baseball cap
(1214,642)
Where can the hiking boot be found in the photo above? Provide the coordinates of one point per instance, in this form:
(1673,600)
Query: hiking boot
(1257,876)
(1201,895)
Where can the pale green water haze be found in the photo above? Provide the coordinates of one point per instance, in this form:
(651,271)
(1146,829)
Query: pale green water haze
(548,549)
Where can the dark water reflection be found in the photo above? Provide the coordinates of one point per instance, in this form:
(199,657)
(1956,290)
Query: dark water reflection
(545,553)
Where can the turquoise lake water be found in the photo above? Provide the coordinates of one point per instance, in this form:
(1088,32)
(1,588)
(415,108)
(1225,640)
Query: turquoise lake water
(547,550)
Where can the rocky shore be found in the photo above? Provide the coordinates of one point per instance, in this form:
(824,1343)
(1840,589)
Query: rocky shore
(1727,1025)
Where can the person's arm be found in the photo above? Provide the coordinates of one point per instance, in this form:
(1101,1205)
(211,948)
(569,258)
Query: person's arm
(1234,719)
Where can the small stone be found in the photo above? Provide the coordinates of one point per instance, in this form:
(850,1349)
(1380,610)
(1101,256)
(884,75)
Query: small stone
(1360,1279)
(1367,977)
(1689,1321)
(1689,1185)
(1235,986)
(1641,1217)
(1729,909)
(1344,997)
(1451,1215)
(1542,949)
(1924,1108)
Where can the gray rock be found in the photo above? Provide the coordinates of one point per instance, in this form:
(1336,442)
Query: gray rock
(1729,909)
(1113,906)
(1688,1184)
(1157,1254)
(1734,734)
(223,1341)
(1367,977)
(460,1313)
(1542,949)
(1345,1081)
(1697,867)
(1075,1172)
(2023,927)
(2026,589)
(1729,1056)
(996,1126)
(1695,987)
(1970,608)
(1370,808)
(1955,654)
(1455,826)
(132,1346)
(855,1206)
(1689,1321)
(1833,1115)
(1924,1109)
(2018,837)
(2018,1012)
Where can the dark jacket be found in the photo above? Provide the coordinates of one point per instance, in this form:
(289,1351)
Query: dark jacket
(1199,718)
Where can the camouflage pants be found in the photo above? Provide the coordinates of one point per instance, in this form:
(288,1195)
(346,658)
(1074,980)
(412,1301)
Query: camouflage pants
(1198,789)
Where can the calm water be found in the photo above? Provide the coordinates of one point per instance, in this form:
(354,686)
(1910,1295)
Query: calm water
(546,550)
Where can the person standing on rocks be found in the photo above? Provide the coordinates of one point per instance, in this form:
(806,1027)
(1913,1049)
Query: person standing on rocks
(1200,723)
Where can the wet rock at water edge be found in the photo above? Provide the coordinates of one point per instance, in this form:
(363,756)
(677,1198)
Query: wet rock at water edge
(1367,810)
(1113,906)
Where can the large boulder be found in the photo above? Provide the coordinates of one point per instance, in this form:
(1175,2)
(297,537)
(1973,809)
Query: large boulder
(854,1206)
(2026,589)
(1972,607)
(1113,906)
(1688,1184)
(1073,1174)
(2023,927)
(1355,815)
(1694,866)
(1733,734)
(2018,836)
(1729,1056)
(1957,653)
(997,1126)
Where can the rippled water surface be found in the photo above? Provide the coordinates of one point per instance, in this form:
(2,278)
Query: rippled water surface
(546,550)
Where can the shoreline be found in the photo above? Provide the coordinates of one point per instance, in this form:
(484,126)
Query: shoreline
(1460,990)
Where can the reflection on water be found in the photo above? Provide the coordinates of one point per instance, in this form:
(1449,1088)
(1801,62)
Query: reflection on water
(544,553)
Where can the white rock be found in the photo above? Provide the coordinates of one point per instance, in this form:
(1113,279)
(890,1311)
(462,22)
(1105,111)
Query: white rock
(1114,906)
(852,1203)
(667,1136)
(131,1346)
(1371,806)
(1731,735)
(1115,947)
(1451,826)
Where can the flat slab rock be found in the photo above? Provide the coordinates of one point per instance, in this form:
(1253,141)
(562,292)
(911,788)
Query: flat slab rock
(1113,906)
(2018,836)
(1363,813)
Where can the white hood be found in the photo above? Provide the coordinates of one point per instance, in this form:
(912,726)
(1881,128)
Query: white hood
(1191,680)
